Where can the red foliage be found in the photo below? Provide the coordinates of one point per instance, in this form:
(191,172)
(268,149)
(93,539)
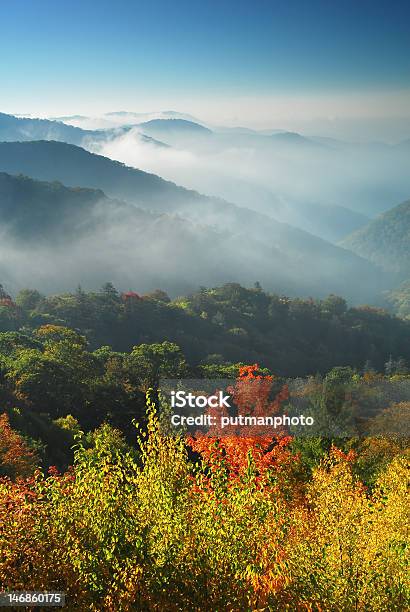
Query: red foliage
(130,295)
(234,446)
(16,458)
(8,302)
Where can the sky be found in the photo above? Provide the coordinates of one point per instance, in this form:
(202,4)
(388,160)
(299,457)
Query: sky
(317,65)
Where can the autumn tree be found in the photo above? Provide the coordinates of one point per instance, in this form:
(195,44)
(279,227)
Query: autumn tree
(16,457)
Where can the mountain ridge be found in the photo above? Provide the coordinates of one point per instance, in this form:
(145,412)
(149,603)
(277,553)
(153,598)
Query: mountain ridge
(299,261)
(385,241)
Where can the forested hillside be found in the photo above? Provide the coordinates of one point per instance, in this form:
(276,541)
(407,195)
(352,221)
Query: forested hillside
(162,234)
(26,128)
(140,510)
(386,241)
(96,497)
(42,212)
(399,298)
(74,166)
(94,355)
(204,323)
(292,337)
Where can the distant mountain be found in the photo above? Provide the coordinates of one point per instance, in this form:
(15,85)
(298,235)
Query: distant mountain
(69,118)
(25,128)
(267,142)
(94,138)
(180,125)
(238,244)
(235,130)
(55,237)
(36,211)
(121,118)
(170,114)
(330,222)
(294,139)
(74,166)
(386,241)
(177,132)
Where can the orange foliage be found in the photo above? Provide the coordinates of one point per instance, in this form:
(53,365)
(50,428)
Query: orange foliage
(16,458)
(234,447)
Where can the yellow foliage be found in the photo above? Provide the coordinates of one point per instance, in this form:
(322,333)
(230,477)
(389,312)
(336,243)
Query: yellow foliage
(122,533)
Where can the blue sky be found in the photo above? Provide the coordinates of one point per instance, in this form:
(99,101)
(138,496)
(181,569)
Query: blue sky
(80,56)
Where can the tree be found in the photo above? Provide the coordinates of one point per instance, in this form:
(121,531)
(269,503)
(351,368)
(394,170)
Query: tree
(159,295)
(396,366)
(16,458)
(150,362)
(29,299)
(334,305)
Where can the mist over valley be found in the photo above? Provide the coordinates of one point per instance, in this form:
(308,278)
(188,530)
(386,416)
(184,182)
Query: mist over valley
(163,200)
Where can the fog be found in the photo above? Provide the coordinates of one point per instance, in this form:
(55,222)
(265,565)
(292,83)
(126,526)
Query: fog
(356,114)
(133,249)
(288,201)
(204,244)
(280,175)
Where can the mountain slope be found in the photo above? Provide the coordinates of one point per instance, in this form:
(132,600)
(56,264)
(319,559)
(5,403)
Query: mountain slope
(55,237)
(181,126)
(178,132)
(25,128)
(36,211)
(292,138)
(74,166)
(332,223)
(257,246)
(386,241)
(28,129)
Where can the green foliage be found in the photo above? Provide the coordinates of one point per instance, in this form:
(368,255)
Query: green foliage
(93,355)
(400,299)
(127,532)
(385,241)
(155,361)
(29,299)
(292,337)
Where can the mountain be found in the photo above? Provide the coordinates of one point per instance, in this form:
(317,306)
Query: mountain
(290,138)
(222,129)
(238,244)
(55,237)
(175,131)
(174,125)
(170,114)
(332,223)
(25,128)
(69,118)
(120,118)
(36,211)
(74,166)
(386,241)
